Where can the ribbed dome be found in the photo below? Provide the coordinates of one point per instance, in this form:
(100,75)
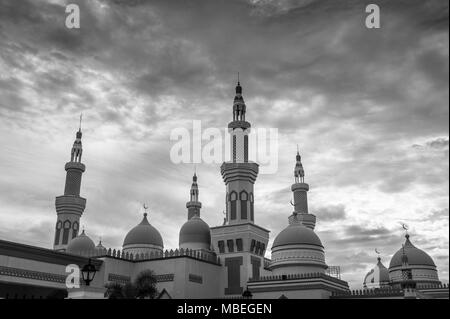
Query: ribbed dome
(415,256)
(81,244)
(144,234)
(195,230)
(296,234)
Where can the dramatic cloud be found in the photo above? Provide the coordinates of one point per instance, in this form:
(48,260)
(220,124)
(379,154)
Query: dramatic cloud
(368,108)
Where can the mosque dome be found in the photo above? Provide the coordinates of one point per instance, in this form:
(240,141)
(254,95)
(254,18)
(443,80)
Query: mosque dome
(195,234)
(419,263)
(377,277)
(415,256)
(100,249)
(297,234)
(143,234)
(81,245)
(297,250)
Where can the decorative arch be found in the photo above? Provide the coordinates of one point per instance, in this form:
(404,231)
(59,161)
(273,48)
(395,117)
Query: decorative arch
(75,228)
(58,231)
(252,214)
(67,225)
(244,198)
(233,205)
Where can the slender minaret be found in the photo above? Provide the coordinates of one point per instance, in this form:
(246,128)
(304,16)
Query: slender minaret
(70,206)
(239,174)
(239,242)
(300,190)
(194,205)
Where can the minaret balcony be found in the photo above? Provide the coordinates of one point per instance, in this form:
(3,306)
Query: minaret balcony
(239,124)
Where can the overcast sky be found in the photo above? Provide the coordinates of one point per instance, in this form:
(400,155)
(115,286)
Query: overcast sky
(368,108)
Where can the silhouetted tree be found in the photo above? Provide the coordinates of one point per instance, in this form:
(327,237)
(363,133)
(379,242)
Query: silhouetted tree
(145,285)
(114,290)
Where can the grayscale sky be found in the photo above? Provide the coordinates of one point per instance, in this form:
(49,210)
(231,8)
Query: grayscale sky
(368,107)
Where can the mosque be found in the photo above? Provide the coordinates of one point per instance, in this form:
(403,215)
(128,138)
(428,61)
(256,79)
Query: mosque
(224,261)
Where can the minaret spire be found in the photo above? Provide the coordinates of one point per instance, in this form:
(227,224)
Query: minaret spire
(299,172)
(77,148)
(194,205)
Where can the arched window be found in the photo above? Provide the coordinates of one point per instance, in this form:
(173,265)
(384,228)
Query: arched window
(66,231)
(243,197)
(233,205)
(75,229)
(252,214)
(58,231)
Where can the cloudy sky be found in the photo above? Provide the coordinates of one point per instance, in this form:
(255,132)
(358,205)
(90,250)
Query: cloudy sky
(368,108)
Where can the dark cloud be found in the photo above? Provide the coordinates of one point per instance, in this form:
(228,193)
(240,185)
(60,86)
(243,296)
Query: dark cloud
(331,213)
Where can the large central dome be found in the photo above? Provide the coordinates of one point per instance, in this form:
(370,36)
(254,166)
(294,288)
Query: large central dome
(143,238)
(297,250)
(297,234)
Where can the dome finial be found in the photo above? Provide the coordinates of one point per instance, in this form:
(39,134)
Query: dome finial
(238,87)
(145,206)
(299,172)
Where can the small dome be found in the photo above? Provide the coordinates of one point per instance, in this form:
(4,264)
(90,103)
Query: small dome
(100,249)
(195,230)
(415,256)
(80,245)
(296,234)
(143,234)
(377,277)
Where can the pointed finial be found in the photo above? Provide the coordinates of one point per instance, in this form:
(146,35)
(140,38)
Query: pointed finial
(298,151)
(405,228)
(238,77)
(145,206)
(81,118)
(378,253)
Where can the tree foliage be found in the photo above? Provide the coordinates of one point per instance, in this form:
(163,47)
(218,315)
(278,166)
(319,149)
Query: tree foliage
(144,287)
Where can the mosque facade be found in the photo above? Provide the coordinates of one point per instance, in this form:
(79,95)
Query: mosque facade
(224,261)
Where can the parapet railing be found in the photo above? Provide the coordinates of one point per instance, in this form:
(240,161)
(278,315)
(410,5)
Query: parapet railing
(313,275)
(118,254)
(374,292)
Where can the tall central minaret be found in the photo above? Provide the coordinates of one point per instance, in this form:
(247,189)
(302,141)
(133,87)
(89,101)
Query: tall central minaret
(239,242)
(239,174)
(70,206)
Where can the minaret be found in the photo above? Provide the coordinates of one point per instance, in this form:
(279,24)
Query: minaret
(300,190)
(194,205)
(239,174)
(239,242)
(70,206)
